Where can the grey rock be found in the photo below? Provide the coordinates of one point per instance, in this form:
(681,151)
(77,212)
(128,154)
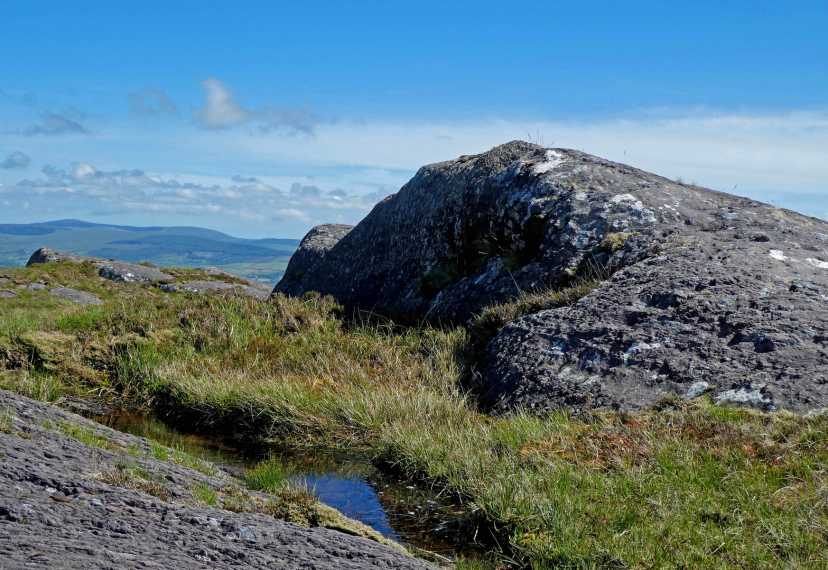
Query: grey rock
(36,286)
(6,294)
(698,285)
(301,272)
(87,523)
(75,295)
(253,290)
(710,308)
(132,273)
(47,255)
(108,269)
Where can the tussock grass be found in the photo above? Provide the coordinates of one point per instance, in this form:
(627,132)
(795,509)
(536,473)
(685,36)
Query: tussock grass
(6,420)
(691,485)
(130,476)
(205,494)
(269,475)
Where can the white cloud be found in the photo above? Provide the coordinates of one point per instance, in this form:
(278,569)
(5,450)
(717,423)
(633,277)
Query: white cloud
(243,198)
(222,111)
(220,108)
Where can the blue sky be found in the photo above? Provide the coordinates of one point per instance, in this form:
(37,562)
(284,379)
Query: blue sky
(264,118)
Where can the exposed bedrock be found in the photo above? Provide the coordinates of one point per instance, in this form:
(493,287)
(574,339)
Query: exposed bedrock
(703,293)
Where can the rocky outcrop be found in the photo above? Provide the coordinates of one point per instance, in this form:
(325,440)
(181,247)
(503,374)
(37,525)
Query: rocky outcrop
(75,494)
(122,272)
(301,271)
(702,292)
(47,255)
(107,268)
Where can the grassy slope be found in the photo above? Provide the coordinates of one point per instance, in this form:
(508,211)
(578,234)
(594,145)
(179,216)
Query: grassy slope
(691,485)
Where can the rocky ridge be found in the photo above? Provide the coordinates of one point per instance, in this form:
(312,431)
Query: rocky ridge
(122,272)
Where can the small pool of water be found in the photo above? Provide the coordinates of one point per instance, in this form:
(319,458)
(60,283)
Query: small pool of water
(349,482)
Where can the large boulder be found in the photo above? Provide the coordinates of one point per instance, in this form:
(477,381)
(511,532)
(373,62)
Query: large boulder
(48,255)
(703,292)
(300,273)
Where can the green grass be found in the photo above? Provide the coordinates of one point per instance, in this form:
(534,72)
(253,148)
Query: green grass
(269,475)
(691,485)
(205,494)
(6,420)
(86,436)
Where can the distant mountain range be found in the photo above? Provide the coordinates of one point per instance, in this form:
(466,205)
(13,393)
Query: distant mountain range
(263,259)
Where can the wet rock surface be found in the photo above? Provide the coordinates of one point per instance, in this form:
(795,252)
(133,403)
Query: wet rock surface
(56,511)
(301,270)
(703,292)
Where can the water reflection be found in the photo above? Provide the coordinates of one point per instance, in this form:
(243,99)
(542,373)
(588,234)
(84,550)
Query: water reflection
(346,481)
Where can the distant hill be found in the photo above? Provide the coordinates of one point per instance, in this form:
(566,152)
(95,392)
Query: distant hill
(263,259)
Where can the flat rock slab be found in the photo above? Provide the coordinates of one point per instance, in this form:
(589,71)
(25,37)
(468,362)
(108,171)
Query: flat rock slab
(6,294)
(252,290)
(75,295)
(132,273)
(56,512)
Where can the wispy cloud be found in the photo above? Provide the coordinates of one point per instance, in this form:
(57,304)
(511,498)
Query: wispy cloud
(16,160)
(222,111)
(151,102)
(55,124)
(242,197)
(750,153)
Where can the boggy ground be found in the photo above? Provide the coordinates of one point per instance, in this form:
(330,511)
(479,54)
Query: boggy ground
(685,485)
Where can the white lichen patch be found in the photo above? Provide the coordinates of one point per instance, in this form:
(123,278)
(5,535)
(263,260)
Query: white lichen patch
(580,196)
(697,389)
(638,348)
(817,263)
(747,396)
(630,202)
(553,159)
(621,198)
(778,255)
